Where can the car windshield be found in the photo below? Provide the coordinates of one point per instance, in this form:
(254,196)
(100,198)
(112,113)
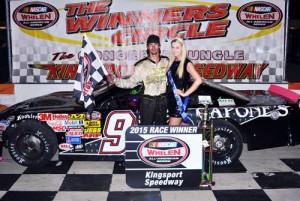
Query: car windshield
(102,87)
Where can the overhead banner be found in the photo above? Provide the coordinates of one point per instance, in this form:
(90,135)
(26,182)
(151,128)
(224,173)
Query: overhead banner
(236,41)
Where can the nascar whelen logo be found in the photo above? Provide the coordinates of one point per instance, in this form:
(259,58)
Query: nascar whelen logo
(35,15)
(163,151)
(259,15)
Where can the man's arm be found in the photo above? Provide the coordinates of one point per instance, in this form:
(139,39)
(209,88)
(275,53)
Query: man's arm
(129,82)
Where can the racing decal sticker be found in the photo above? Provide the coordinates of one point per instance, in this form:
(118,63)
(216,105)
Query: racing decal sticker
(77,116)
(94,116)
(92,123)
(73,140)
(74,132)
(259,15)
(35,15)
(163,151)
(243,115)
(204,99)
(92,130)
(65,146)
(226,102)
(51,116)
(72,123)
(60,116)
(4,124)
(26,116)
(57,126)
(91,135)
(79,148)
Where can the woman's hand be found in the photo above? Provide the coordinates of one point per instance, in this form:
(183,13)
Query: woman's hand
(181,93)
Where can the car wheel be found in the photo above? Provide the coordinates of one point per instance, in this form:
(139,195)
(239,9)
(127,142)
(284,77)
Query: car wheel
(32,144)
(228,143)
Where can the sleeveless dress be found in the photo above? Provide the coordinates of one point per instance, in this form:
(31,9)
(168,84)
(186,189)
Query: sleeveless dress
(181,83)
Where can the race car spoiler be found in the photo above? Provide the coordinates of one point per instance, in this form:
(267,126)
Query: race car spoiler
(287,94)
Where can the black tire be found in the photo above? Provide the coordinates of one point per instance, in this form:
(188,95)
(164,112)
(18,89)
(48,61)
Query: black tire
(228,143)
(32,144)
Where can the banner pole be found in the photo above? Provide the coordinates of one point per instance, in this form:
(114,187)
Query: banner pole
(9,48)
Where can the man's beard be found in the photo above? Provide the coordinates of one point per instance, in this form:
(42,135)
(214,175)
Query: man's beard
(154,53)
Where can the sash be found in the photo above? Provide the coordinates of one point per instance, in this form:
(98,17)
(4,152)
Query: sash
(181,105)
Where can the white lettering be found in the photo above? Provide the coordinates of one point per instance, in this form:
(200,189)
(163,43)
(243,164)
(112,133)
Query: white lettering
(243,112)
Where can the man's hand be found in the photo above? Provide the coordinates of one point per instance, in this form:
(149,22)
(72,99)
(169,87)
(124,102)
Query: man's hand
(111,78)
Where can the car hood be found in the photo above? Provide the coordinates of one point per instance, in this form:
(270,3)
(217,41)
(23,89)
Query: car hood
(242,98)
(54,102)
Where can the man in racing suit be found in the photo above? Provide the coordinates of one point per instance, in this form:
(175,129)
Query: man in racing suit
(150,71)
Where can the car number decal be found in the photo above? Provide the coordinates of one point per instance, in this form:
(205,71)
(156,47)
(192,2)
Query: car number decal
(114,130)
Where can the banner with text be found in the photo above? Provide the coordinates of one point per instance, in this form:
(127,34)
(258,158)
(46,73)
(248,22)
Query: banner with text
(236,41)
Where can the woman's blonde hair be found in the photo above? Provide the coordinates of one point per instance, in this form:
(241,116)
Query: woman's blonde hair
(183,56)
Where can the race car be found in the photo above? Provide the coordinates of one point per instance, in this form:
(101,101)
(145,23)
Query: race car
(34,130)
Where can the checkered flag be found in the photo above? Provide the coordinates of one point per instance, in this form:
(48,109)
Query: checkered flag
(90,72)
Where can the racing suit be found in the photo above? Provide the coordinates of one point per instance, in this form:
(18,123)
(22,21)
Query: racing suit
(153,107)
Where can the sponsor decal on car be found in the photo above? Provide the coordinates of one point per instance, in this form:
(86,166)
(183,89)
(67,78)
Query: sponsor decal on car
(76,116)
(94,116)
(91,135)
(92,123)
(60,116)
(65,146)
(26,116)
(226,102)
(79,148)
(92,130)
(23,106)
(71,123)
(247,114)
(204,99)
(51,116)
(75,132)
(45,116)
(73,140)
(57,125)
(3,125)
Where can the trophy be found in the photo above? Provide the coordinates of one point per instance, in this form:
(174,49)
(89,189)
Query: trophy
(206,125)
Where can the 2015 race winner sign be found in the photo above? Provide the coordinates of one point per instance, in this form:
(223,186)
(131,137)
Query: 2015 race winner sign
(163,156)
